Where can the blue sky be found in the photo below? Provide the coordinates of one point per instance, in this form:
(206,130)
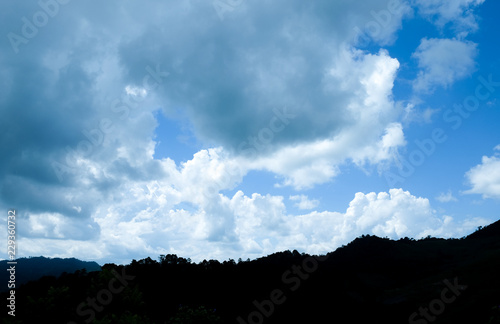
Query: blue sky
(226,129)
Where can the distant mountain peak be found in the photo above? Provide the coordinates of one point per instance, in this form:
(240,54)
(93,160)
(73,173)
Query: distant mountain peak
(33,268)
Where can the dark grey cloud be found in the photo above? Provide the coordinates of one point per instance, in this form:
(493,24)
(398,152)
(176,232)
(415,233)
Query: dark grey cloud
(229,75)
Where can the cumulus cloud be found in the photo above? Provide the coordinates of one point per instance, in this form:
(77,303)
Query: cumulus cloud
(460,13)
(484,178)
(442,62)
(146,222)
(278,86)
(394,214)
(56,226)
(371,135)
(90,94)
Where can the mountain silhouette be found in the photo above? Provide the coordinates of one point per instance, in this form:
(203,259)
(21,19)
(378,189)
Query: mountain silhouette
(490,231)
(33,268)
(370,280)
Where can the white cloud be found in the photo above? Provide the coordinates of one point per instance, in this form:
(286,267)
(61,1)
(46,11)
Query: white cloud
(370,135)
(138,224)
(398,213)
(484,178)
(442,62)
(56,226)
(226,78)
(136,91)
(303,202)
(446,197)
(116,202)
(458,12)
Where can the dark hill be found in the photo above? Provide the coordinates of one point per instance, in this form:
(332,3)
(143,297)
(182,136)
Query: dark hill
(33,268)
(492,230)
(371,280)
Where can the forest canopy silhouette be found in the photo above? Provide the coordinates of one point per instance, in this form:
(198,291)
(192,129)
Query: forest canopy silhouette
(372,279)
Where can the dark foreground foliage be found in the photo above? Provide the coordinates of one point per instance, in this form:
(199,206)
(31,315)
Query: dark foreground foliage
(371,280)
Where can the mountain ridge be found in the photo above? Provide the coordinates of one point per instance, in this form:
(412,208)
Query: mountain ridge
(33,268)
(371,279)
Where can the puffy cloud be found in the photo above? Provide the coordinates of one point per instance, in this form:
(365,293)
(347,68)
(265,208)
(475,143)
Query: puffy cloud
(390,214)
(394,214)
(280,81)
(78,84)
(303,202)
(56,226)
(146,222)
(442,62)
(89,96)
(369,136)
(484,178)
